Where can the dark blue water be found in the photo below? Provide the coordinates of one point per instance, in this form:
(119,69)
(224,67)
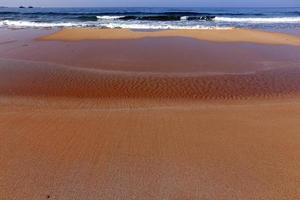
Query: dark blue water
(152,18)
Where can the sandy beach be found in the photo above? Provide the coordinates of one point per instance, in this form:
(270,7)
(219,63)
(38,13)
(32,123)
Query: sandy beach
(119,114)
(231,35)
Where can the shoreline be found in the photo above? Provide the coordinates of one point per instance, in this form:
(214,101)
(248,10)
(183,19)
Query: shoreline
(231,35)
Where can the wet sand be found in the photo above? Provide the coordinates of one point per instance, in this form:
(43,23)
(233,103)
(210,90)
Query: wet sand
(75,124)
(155,55)
(21,78)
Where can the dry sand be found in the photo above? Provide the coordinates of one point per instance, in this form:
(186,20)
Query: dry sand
(231,35)
(80,132)
(183,151)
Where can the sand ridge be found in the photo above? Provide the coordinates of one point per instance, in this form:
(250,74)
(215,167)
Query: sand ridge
(231,35)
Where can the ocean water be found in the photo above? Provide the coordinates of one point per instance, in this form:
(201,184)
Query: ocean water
(152,18)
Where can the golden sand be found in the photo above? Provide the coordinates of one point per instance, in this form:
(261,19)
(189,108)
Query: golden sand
(186,151)
(82,132)
(231,35)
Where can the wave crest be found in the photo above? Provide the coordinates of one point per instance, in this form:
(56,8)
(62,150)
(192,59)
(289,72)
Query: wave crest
(259,20)
(109,17)
(25,24)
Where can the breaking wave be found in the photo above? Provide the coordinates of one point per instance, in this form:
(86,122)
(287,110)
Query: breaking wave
(259,20)
(26,24)
(152,18)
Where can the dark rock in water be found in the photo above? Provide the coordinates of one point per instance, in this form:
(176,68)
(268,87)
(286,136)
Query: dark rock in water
(30,6)
(22,7)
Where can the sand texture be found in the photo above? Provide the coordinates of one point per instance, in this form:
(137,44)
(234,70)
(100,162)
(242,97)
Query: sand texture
(20,78)
(184,151)
(232,35)
(153,118)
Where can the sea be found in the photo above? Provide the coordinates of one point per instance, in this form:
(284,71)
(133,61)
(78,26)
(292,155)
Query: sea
(152,18)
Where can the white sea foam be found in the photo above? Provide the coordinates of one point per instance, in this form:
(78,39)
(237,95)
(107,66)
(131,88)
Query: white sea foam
(129,25)
(160,26)
(184,18)
(259,20)
(25,24)
(109,17)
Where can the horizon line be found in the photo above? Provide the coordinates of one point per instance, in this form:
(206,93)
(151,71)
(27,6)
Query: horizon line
(152,6)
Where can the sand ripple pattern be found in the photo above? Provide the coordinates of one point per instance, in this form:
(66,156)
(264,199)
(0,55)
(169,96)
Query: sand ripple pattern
(50,80)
